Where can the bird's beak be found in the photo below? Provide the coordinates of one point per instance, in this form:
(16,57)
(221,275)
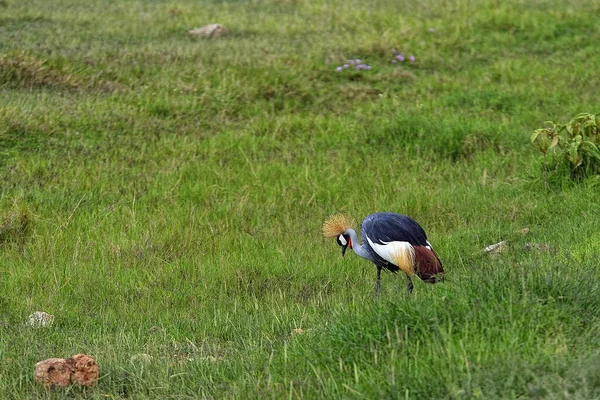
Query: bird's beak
(344,250)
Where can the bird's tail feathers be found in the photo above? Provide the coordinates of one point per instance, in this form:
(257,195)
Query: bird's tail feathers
(428,265)
(336,224)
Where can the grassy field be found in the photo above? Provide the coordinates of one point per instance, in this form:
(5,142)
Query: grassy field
(164,195)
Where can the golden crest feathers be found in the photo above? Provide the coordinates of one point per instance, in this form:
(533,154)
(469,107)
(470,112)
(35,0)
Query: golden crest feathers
(336,224)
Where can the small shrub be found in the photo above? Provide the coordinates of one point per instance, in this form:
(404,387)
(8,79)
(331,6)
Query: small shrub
(576,144)
(15,227)
(21,71)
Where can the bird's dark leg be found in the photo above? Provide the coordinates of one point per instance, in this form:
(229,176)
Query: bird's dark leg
(378,280)
(410,284)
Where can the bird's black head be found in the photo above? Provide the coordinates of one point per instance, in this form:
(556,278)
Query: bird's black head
(344,241)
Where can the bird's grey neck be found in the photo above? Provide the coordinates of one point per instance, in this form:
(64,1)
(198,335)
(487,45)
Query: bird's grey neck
(359,249)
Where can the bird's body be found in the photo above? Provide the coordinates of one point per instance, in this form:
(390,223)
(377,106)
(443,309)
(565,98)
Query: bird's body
(391,241)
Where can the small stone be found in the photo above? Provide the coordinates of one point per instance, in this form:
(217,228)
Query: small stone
(141,358)
(156,329)
(40,319)
(537,246)
(80,369)
(496,248)
(209,31)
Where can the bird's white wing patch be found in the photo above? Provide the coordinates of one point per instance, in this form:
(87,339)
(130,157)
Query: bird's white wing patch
(392,251)
(343,240)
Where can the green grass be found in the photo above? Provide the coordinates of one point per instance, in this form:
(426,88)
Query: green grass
(163,195)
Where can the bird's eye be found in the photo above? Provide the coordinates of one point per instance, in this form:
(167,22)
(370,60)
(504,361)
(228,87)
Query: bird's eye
(342,240)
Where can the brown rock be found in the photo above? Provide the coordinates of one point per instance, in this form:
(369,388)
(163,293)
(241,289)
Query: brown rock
(86,371)
(80,369)
(53,372)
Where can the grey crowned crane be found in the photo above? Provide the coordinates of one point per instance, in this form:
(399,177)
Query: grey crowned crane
(391,241)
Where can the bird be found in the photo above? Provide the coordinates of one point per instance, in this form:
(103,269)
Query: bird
(394,242)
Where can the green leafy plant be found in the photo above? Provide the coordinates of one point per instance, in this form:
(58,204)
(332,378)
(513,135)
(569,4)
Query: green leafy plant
(576,144)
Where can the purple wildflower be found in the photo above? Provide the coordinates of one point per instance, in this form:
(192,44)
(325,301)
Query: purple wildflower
(431,30)
(361,67)
(400,57)
(346,66)
(338,69)
(394,61)
(412,58)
